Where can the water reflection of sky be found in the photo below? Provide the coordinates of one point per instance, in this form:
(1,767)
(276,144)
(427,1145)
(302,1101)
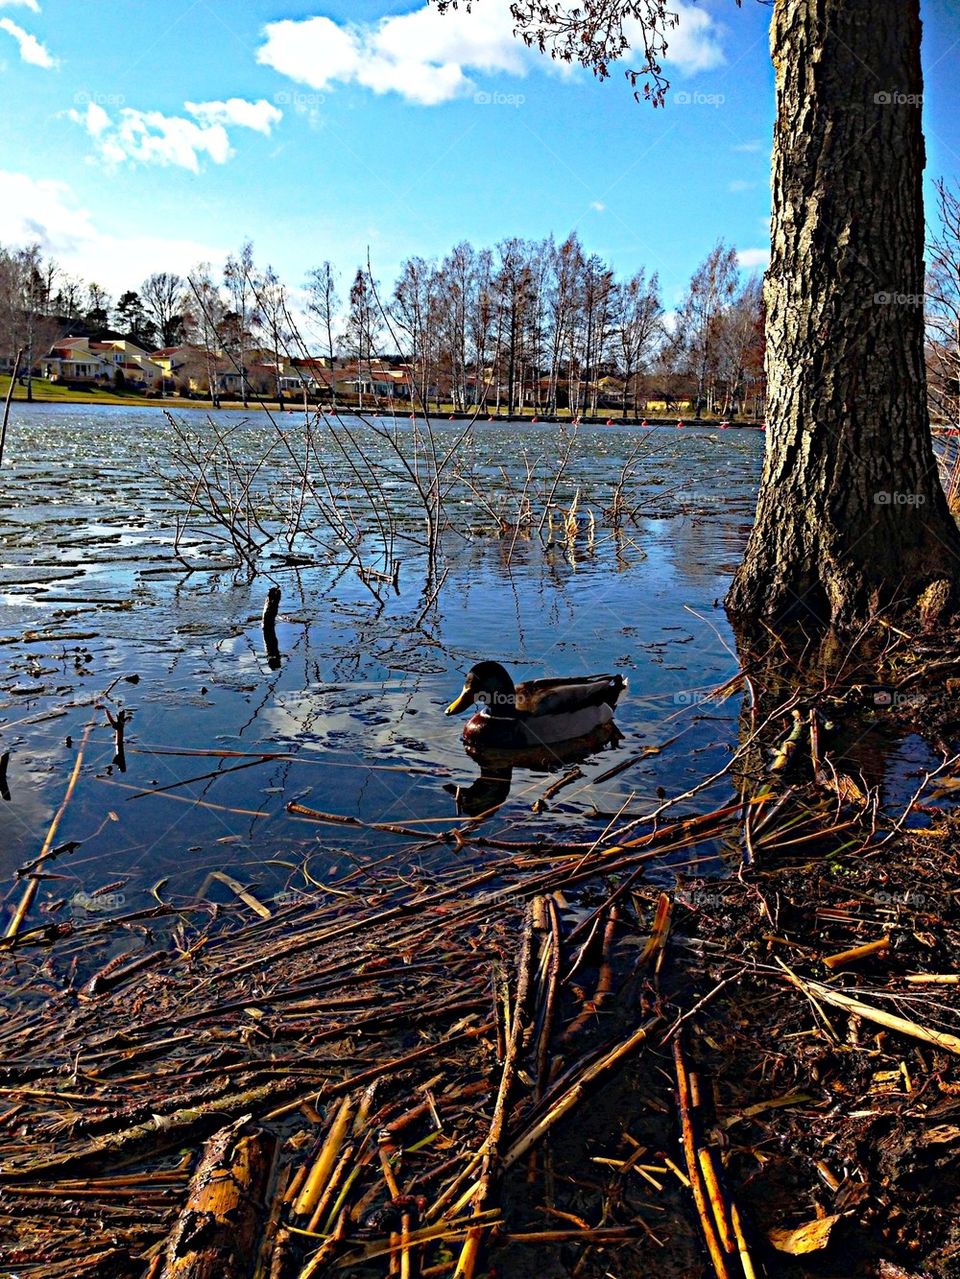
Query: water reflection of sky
(357,704)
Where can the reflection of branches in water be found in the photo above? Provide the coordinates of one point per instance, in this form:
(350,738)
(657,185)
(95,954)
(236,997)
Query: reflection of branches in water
(351,494)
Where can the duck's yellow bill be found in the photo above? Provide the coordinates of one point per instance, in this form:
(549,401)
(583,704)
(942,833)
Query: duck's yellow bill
(462,702)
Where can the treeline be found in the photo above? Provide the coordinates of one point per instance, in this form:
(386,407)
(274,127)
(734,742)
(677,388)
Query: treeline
(526,323)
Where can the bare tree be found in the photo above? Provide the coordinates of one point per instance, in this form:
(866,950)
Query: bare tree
(324,303)
(162,296)
(270,295)
(26,323)
(596,313)
(363,327)
(739,332)
(203,321)
(567,270)
(710,292)
(637,327)
(238,275)
(413,311)
(943,308)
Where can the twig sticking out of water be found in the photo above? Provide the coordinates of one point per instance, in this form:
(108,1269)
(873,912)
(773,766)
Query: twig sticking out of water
(9,401)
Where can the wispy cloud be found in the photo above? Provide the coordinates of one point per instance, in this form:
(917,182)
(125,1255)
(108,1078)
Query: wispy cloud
(24,4)
(752,148)
(694,44)
(260,116)
(31,49)
(46,212)
(741,184)
(150,137)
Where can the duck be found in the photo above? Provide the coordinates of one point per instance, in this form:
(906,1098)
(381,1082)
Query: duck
(538,712)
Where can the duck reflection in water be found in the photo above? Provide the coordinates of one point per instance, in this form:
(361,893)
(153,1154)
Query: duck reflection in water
(487,792)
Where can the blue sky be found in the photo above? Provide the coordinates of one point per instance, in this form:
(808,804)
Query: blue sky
(147,137)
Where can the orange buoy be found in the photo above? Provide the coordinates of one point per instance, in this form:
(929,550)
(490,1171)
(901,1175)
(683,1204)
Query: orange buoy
(680,425)
(609,421)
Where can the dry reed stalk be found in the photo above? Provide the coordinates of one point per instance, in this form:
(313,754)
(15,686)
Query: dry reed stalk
(689,1142)
(816,991)
(30,888)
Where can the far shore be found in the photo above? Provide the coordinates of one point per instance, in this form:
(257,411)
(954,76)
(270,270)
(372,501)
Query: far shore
(45,393)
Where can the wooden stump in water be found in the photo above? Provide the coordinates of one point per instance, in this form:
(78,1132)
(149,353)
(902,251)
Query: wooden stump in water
(270,610)
(216,1234)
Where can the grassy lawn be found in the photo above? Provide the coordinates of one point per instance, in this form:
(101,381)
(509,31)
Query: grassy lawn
(54,393)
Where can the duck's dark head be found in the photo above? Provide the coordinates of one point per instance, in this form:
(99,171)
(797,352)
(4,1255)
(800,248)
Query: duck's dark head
(489,683)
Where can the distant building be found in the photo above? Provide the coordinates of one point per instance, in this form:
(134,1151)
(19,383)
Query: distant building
(88,362)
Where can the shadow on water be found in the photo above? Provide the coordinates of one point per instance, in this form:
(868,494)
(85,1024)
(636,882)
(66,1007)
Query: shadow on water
(486,793)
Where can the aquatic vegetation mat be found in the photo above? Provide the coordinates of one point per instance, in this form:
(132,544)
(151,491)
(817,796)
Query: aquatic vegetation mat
(525,1060)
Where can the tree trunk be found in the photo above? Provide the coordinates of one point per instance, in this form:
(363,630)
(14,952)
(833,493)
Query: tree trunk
(851,516)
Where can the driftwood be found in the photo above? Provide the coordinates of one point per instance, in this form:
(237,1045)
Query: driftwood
(217,1232)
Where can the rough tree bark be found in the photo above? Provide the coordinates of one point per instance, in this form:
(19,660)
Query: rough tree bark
(851,516)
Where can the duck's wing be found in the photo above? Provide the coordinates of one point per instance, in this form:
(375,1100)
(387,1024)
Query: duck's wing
(567,695)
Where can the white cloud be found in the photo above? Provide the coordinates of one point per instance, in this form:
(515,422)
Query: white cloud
(429,58)
(598,206)
(45,212)
(150,137)
(424,56)
(752,148)
(750,259)
(27,4)
(31,50)
(740,184)
(260,116)
(692,45)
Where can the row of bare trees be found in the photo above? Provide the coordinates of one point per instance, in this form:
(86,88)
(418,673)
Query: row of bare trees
(526,324)
(536,324)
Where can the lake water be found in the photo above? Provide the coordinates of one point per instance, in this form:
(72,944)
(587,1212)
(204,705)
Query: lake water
(92,594)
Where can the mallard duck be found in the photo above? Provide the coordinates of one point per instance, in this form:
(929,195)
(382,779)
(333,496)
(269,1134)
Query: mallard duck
(536,713)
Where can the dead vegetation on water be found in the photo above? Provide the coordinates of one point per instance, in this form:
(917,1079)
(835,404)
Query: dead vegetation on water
(473,1055)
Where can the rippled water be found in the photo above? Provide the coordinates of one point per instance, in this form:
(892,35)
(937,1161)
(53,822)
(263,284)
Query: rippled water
(91,594)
